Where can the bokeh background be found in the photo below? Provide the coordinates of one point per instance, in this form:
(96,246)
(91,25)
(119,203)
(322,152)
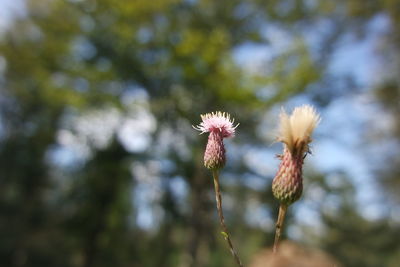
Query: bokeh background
(99,164)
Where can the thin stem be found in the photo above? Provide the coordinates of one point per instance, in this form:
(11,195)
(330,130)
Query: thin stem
(224,232)
(279,226)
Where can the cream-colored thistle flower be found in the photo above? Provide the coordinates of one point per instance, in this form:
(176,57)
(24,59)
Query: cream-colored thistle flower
(296,130)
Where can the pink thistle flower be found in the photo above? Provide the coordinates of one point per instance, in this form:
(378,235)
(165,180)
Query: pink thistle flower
(217,122)
(220,126)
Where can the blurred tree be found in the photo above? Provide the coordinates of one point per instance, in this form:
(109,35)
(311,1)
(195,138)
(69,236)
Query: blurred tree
(344,232)
(360,242)
(101,200)
(386,86)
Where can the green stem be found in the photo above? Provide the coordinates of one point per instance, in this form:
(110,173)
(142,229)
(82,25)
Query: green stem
(224,232)
(279,226)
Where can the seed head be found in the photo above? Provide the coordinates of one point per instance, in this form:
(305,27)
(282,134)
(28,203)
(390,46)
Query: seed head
(295,130)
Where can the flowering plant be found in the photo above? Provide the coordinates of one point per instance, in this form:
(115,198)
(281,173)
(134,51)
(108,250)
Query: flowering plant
(219,126)
(295,133)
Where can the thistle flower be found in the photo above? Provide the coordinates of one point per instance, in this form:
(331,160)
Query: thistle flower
(220,126)
(295,133)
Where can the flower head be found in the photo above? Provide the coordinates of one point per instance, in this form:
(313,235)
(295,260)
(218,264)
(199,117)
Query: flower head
(217,122)
(295,130)
(220,126)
